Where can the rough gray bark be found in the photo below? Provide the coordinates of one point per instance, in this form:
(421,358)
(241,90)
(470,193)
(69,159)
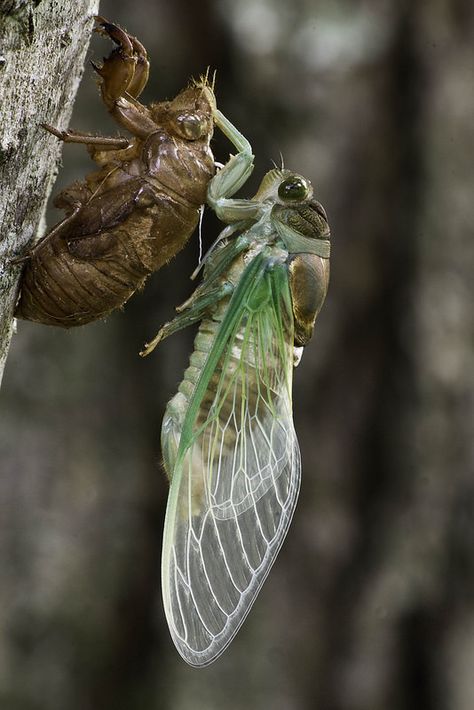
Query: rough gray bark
(42,51)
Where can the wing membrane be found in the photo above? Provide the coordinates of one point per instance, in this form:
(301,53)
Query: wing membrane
(236,470)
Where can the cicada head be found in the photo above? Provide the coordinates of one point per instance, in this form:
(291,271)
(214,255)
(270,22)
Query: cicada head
(294,204)
(189,116)
(268,189)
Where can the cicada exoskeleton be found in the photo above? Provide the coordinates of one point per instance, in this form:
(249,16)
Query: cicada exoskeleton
(130,217)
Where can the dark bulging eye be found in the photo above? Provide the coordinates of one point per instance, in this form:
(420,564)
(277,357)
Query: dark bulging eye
(293,188)
(190,125)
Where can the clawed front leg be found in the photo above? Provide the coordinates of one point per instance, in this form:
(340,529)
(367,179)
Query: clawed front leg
(231,177)
(126,69)
(124,74)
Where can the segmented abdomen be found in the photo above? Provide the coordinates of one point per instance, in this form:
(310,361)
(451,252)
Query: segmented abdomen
(231,398)
(73,282)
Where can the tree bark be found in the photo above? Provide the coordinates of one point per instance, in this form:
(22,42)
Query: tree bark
(42,52)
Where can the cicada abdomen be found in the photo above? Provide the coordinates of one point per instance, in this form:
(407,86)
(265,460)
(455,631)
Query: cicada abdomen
(136,212)
(228,439)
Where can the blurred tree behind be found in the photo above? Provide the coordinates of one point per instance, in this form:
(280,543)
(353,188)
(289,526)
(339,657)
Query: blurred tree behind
(370,604)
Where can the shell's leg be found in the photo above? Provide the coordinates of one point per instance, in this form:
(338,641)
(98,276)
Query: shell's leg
(101,142)
(126,69)
(52,233)
(124,74)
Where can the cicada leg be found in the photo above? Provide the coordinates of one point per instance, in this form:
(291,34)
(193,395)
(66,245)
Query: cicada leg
(127,67)
(193,311)
(101,142)
(124,74)
(74,209)
(205,296)
(231,177)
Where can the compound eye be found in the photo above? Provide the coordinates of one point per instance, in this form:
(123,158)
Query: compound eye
(293,188)
(190,125)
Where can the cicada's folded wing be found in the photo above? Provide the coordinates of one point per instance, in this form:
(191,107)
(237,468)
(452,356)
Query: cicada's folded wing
(237,471)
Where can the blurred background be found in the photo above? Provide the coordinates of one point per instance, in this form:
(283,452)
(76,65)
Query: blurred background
(370,603)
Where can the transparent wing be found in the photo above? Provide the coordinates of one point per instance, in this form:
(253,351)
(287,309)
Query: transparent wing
(237,471)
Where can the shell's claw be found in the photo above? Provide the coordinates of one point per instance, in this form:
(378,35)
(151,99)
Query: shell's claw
(116,34)
(125,70)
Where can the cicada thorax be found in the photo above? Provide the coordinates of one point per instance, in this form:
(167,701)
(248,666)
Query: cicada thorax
(308,272)
(133,215)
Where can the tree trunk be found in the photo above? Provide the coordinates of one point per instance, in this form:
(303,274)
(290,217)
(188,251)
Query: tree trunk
(42,52)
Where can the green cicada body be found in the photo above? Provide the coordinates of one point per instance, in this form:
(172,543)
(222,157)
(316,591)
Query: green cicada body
(228,439)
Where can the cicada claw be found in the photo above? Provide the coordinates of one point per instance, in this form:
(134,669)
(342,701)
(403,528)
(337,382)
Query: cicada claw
(125,70)
(116,33)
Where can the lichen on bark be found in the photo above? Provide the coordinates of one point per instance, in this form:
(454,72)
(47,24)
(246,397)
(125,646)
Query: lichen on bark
(42,52)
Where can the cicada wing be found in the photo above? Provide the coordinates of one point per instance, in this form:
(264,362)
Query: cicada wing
(237,475)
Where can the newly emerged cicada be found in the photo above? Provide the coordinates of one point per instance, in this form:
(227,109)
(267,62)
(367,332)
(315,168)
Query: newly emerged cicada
(228,440)
(135,213)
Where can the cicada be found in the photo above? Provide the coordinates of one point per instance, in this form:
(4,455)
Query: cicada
(228,440)
(127,219)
